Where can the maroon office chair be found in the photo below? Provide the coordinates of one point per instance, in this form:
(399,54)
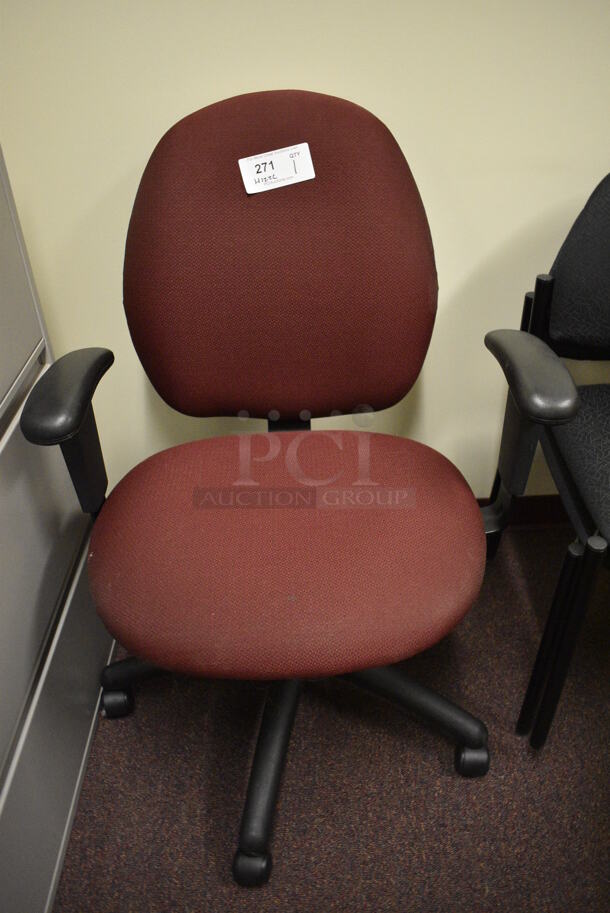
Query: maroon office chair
(293,554)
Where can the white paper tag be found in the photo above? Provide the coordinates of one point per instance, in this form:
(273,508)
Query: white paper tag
(269,170)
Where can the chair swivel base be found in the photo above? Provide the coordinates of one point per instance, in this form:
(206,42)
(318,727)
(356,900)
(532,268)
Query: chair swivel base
(252,862)
(469,734)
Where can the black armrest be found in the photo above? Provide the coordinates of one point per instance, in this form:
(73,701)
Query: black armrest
(58,404)
(539,382)
(59,411)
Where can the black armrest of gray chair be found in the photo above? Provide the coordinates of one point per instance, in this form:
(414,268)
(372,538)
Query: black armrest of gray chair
(59,411)
(541,392)
(541,385)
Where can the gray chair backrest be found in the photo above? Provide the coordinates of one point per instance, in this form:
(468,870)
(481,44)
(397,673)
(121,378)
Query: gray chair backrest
(580,309)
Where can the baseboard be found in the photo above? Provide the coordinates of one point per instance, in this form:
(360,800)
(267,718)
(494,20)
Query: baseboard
(535,510)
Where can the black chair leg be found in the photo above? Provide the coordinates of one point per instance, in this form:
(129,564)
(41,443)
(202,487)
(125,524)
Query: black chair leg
(117,681)
(252,862)
(469,733)
(548,645)
(594,554)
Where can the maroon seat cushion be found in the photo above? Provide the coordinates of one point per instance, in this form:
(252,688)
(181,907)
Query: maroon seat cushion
(211,563)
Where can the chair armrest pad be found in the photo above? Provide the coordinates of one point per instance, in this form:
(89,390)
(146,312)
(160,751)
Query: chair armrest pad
(58,404)
(540,383)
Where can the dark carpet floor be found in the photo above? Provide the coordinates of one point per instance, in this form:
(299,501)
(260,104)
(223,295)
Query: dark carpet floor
(372,816)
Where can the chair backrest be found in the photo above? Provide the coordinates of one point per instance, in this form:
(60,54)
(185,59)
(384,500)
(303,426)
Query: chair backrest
(316,296)
(580,307)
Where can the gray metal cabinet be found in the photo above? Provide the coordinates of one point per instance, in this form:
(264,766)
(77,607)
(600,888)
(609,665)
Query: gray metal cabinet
(52,644)
(41,532)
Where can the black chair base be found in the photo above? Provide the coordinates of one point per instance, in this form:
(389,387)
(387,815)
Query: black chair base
(468,733)
(252,863)
(117,681)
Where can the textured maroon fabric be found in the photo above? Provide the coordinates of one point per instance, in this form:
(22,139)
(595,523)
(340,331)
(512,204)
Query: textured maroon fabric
(317,296)
(270,592)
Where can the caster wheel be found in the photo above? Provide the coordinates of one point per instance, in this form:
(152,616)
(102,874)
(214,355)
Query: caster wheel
(251,871)
(471,762)
(116,704)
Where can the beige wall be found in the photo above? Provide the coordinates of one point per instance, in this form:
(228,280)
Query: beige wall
(501,109)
